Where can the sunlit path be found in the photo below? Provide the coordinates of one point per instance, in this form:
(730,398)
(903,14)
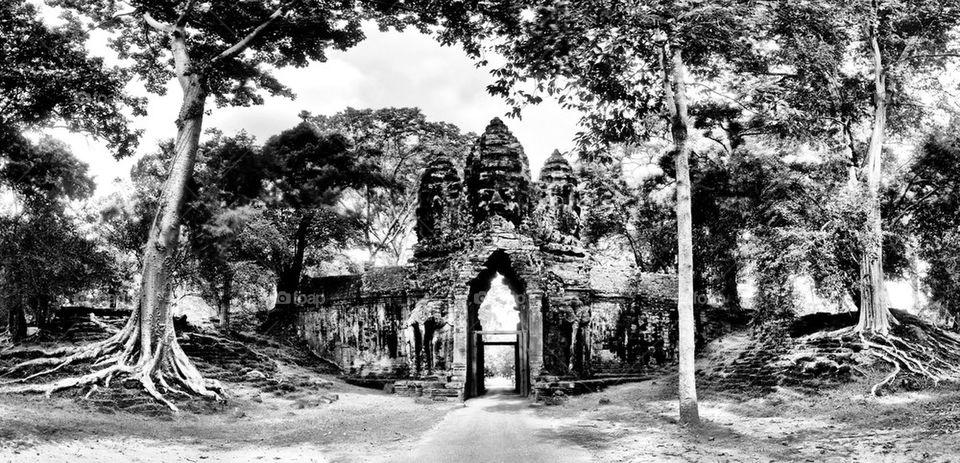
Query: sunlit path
(498,427)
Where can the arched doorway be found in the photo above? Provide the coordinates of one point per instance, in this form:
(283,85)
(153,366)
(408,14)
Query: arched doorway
(491,325)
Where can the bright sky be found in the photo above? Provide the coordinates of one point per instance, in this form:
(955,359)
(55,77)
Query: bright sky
(498,311)
(387,69)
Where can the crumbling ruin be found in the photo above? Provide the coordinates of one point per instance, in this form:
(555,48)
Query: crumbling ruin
(580,319)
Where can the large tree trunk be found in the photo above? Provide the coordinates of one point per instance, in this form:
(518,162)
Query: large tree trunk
(675,88)
(153,309)
(288,279)
(874,314)
(152,321)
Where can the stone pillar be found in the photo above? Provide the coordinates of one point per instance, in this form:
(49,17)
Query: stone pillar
(535,333)
(458,325)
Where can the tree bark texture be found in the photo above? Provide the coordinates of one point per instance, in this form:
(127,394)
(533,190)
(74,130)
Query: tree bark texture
(875,316)
(676,97)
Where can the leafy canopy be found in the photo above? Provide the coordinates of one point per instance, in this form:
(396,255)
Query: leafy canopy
(604,58)
(48,79)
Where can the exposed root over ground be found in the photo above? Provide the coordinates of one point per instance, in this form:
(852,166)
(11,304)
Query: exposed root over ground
(918,352)
(154,360)
(824,351)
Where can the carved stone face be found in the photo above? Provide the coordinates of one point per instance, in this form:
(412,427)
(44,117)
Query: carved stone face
(498,179)
(438,196)
(499,201)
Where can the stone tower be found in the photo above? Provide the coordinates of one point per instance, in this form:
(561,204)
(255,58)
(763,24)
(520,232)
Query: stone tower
(498,176)
(438,199)
(560,204)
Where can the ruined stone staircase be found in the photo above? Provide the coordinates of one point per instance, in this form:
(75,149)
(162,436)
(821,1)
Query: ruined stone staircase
(777,358)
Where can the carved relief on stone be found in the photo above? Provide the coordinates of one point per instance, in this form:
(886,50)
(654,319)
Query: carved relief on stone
(498,176)
(438,198)
(559,207)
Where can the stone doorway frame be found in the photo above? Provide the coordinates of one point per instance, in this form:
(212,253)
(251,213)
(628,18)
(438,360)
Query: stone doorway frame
(521,270)
(529,303)
(521,366)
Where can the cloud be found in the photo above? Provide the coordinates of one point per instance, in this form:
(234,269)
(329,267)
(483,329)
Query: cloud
(387,69)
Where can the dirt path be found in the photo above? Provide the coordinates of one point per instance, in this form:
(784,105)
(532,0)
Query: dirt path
(499,427)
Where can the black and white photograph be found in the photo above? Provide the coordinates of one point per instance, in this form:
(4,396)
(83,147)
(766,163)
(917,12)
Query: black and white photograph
(492,231)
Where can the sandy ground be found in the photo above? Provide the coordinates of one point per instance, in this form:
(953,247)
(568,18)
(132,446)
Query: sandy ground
(627,423)
(362,424)
(638,423)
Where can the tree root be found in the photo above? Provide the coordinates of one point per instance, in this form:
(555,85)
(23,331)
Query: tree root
(875,390)
(162,367)
(231,342)
(103,325)
(933,354)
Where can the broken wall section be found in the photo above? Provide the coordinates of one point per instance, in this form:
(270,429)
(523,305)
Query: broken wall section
(359,321)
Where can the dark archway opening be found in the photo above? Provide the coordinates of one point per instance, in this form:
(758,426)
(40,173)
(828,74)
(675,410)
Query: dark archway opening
(496,319)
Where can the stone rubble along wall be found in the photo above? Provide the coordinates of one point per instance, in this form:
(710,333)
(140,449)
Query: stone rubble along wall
(435,388)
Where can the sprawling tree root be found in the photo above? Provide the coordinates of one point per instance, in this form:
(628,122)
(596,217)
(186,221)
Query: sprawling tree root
(159,366)
(930,353)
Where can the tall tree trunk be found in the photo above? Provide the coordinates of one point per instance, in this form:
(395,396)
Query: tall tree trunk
(146,350)
(157,335)
(874,314)
(676,96)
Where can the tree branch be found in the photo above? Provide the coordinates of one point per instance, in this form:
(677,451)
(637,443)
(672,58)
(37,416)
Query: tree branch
(717,140)
(156,24)
(931,55)
(245,42)
(114,19)
(182,20)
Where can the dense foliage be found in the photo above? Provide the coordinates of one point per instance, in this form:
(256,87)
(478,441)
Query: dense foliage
(399,142)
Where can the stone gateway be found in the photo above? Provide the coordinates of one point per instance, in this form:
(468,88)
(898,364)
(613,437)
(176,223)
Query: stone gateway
(582,320)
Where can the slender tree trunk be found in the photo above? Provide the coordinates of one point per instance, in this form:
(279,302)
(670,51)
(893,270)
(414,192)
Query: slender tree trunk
(675,88)
(16,323)
(289,283)
(113,292)
(915,277)
(874,314)
(42,311)
(731,293)
(226,296)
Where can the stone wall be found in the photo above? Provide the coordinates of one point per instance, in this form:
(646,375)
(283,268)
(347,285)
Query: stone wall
(359,321)
(580,317)
(631,336)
